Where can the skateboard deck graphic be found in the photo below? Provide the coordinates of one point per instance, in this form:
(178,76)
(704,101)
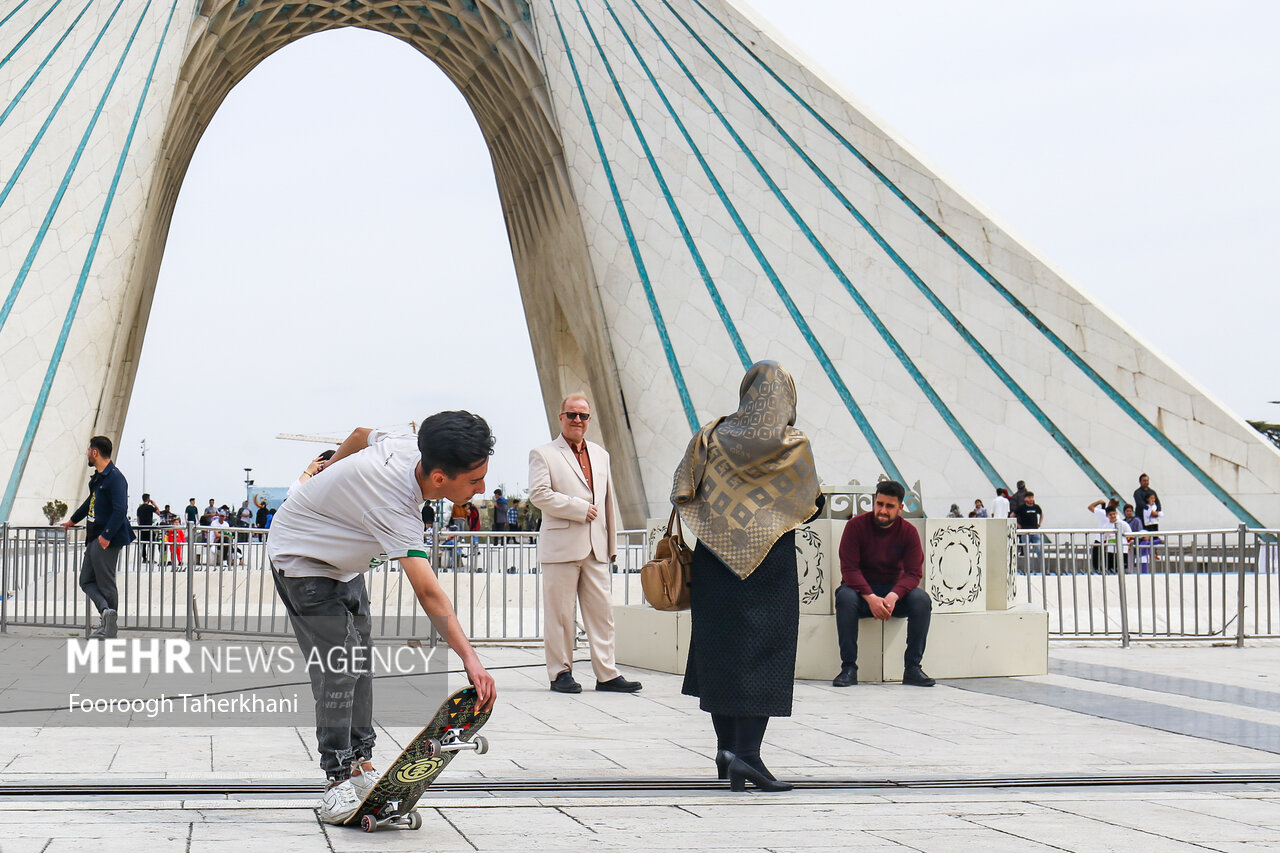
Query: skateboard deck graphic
(451,730)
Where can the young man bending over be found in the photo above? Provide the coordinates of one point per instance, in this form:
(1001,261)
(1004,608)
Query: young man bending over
(366,507)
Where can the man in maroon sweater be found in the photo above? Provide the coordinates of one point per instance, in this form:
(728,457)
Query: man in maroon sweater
(882,563)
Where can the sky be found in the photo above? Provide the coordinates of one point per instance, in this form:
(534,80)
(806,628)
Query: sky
(1131,144)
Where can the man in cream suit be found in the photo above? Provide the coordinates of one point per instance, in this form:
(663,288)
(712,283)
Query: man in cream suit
(570,481)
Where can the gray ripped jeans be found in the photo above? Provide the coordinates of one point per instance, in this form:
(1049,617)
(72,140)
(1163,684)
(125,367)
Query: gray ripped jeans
(332,623)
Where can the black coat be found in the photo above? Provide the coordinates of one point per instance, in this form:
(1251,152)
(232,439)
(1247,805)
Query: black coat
(108,503)
(742,652)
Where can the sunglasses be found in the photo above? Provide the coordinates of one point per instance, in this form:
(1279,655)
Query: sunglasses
(576,416)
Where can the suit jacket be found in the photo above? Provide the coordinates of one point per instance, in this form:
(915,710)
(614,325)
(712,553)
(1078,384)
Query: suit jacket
(558,487)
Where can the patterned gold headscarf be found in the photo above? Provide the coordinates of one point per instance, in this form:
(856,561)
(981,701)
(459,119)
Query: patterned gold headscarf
(748,478)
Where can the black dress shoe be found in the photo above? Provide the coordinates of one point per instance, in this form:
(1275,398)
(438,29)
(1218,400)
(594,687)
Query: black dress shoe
(619,685)
(723,759)
(916,676)
(848,676)
(564,683)
(740,773)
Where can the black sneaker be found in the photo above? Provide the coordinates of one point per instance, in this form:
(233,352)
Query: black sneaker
(564,683)
(619,685)
(916,677)
(848,676)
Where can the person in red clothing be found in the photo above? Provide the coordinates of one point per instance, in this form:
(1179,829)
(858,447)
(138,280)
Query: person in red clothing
(881,564)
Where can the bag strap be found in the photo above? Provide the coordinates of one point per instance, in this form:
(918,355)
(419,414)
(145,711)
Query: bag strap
(674,521)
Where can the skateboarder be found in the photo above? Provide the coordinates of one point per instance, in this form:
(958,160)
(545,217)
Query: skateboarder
(367,503)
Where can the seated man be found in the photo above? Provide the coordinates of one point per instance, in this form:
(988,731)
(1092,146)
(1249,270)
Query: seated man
(882,564)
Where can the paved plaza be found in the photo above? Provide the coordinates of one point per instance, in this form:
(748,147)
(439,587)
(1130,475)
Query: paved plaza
(1065,761)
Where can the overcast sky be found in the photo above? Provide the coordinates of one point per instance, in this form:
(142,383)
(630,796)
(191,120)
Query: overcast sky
(1132,144)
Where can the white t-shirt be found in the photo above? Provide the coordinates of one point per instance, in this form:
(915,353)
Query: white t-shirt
(1151,515)
(211,536)
(354,516)
(1104,524)
(1000,507)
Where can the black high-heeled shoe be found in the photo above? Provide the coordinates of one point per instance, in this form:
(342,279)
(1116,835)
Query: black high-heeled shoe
(740,773)
(723,759)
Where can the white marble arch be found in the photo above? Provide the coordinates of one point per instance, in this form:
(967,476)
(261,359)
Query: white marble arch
(683,196)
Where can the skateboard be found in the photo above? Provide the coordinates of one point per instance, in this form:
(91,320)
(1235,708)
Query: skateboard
(453,728)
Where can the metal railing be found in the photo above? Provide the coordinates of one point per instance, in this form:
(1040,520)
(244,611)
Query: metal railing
(217,580)
(1221,585)
(1177,584)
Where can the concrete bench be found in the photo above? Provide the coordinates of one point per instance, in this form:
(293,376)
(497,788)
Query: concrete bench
(961,645)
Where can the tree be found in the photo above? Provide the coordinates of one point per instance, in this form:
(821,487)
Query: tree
(54,510)
(1271,431)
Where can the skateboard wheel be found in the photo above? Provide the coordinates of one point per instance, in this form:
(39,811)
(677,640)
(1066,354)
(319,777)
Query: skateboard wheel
(415,820)
(482,745)
(431,747)
(368,823)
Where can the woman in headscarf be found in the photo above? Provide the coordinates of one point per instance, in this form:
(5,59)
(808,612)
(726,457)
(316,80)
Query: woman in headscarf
(746,482)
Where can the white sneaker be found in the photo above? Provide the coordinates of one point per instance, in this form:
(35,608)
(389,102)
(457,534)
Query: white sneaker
(339,803)
(363,777)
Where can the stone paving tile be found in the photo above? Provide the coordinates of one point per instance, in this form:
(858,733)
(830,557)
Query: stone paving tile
(1163,819)
(929,840)
(24,845)
(128,844)
(1079,834)
(1257,666)
(1253,812)
(738,838)
(853,840)
(436,835)
(867,812)
(541,822)
(276,844)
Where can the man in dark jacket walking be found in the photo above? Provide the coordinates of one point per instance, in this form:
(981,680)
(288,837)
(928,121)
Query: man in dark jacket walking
(107,530)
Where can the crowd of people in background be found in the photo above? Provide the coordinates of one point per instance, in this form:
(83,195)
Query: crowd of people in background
(1146,513)
(1111,514)
(500,514)
(163,537)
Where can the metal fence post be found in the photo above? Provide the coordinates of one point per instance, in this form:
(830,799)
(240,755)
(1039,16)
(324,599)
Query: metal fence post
(4,577)
(191,589)
(1241,534)
(1124,602)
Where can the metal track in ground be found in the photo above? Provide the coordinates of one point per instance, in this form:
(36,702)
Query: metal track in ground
(483,787)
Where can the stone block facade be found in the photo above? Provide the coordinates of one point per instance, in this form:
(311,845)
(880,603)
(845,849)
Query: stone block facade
(683,196)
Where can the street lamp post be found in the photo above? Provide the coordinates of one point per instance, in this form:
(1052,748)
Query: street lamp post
(144,466)
(248,483)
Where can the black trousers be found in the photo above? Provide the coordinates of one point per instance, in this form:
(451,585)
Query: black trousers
(331,621)
(1100,554)
(98,575)
(915,607)
(146,537)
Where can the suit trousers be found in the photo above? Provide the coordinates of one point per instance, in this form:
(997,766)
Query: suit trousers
(585,581)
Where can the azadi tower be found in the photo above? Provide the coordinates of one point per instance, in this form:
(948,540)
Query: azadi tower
(683,197)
